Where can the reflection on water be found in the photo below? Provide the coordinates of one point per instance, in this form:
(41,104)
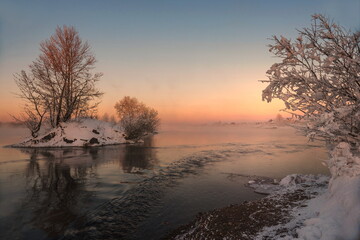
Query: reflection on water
(56,186)
(130,191)
(138,158)
(53,192)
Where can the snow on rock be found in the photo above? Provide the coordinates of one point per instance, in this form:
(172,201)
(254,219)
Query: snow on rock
(78,133)
(264,185)
(292,179)
(288,183)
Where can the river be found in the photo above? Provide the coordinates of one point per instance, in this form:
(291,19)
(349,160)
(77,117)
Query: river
(142,191)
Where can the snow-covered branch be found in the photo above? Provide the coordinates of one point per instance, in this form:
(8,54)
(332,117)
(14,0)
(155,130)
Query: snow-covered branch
(318,79)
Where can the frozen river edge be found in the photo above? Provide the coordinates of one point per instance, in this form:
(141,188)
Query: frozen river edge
(278,215)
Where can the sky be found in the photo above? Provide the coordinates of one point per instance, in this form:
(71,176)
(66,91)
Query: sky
(192,60)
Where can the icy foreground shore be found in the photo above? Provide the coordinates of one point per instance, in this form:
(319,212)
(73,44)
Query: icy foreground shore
(265,218)
(80,133)
(338,210)
(306,207)
(332,215)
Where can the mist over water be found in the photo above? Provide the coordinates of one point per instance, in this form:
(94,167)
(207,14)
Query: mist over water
(142,190)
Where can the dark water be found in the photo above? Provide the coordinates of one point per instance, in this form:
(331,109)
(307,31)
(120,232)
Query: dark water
(141,191)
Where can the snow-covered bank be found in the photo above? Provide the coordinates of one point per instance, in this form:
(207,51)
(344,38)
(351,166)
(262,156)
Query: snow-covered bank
(80,133)
(254,219)
(337,212)
(333,215)
(303,207)
(339,208)
(311,186)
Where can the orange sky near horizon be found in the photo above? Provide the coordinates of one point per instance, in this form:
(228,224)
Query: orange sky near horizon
(226,98)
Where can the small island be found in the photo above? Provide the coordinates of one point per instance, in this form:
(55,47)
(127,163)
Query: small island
(61,99)
(85,132)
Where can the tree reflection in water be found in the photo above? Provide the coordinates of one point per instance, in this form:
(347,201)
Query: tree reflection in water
(54,190)
(138,158)
(57,185)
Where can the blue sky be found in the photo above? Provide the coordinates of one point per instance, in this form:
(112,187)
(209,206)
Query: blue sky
(184,58)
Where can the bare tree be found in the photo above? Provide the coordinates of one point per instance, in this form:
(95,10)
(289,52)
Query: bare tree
(32,119)
(59,85)
(136,118)
(318,79)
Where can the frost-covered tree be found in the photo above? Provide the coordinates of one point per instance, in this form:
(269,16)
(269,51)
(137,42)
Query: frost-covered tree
(318,79)
(136,118)
(59,85)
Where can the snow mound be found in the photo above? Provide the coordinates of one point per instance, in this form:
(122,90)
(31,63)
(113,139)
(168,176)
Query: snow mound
(339,208)
(343,162)
(84,132)
(332,215)
(338,212)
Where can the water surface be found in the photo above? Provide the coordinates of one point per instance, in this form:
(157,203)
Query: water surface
(141,191)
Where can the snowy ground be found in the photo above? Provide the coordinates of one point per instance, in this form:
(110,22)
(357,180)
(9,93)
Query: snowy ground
(332,215)
(79,133)
(299,207)
(265,218)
